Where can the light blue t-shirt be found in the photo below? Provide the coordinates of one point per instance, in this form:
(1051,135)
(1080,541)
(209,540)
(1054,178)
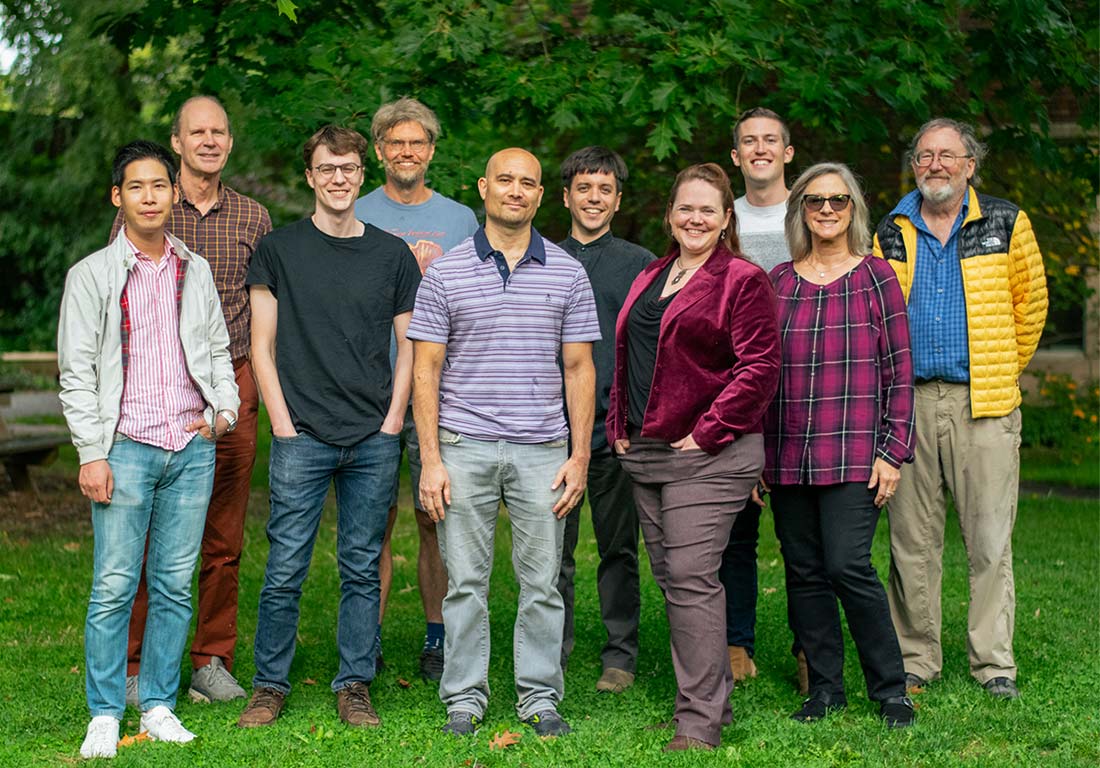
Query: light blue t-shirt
(430,228)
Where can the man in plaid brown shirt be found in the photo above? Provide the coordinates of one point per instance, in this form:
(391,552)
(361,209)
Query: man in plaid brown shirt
(224,227)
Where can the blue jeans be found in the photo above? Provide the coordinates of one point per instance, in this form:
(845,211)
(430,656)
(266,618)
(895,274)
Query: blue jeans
(301,470)
(160,495)
(482,473)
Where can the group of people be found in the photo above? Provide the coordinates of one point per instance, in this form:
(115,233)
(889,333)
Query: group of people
(775,348)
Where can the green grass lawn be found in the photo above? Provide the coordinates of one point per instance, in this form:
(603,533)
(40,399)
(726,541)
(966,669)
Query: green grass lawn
(44,581)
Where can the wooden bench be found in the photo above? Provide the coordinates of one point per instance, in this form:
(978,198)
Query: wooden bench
(22,446)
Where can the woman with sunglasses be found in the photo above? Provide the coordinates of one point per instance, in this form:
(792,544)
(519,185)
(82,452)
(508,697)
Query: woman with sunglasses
(696,364)
(836,435)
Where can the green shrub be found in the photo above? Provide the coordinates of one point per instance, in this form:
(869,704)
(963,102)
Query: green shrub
(1062,414)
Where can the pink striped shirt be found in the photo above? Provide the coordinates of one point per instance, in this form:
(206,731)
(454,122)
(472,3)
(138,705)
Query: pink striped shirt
(159,398)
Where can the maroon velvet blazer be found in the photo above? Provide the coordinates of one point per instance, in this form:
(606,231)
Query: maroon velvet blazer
(718,355)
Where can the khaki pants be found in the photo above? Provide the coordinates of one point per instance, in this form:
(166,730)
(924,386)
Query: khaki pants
(979,460)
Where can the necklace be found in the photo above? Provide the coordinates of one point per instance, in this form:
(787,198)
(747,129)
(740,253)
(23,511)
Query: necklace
(823,272)
(684,270)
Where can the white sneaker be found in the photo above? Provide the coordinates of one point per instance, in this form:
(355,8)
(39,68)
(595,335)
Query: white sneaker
(102,738)
(162,724)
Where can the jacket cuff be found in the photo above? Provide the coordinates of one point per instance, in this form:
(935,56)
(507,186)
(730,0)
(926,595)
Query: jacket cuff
(89,453)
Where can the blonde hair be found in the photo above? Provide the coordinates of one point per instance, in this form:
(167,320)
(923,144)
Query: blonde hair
(799,243)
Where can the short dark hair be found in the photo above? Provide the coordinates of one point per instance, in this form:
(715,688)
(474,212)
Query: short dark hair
(594,159)
(141,150)
(749,114)
(202,97)
(338,141)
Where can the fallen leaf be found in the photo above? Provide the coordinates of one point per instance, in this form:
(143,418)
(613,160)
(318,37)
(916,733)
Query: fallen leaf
(72,546)
(74,670)
(309,681)
(129,741)
(403,682)
(1037,612)
(769,590)
(406,589)
(400,559)
(504,739)
(313,726)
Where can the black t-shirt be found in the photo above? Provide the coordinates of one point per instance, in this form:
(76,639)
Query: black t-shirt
(643,332)
(611,264)
(337,300)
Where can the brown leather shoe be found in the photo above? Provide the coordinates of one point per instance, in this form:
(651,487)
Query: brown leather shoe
(803,674)
(741,664)
(684,743)
(263,708)
(354,707)
(614,680)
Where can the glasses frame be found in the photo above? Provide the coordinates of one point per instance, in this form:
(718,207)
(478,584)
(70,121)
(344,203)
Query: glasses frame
(837,203)
(327,171)
(416,146)
(941,156)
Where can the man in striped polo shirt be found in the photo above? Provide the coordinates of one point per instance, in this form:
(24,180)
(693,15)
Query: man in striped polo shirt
(492,319)
(146,387)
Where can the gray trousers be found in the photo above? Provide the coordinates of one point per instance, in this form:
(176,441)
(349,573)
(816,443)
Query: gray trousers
(687,502)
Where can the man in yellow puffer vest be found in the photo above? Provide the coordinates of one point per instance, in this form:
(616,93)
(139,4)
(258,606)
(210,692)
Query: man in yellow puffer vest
(973,278)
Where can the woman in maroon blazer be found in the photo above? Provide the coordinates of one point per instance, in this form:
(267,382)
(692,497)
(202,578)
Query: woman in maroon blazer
(696,365)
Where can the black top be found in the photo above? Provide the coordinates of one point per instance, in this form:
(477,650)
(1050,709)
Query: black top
(643,330)
(337,300)
(611,264)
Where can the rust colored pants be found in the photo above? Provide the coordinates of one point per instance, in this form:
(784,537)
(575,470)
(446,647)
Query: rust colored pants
(222,539)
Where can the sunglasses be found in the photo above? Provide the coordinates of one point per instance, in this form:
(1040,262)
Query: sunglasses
(816,202)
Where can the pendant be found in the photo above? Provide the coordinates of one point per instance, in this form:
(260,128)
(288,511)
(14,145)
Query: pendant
(679,275)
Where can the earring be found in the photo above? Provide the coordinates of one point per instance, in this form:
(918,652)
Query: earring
(722,236)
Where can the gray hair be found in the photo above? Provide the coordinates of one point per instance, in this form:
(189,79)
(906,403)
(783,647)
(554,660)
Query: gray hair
(969,137)
(799,243)
(404,110)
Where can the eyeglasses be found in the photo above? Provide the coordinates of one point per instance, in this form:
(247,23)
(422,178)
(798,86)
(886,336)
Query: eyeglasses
(416,145)
(816,202)
(328,170)
(947,159)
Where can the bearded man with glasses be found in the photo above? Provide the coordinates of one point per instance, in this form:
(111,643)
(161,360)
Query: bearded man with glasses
(973,278)
(327,293)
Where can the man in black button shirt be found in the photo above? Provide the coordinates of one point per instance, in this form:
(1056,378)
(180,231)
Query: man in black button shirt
(592,181)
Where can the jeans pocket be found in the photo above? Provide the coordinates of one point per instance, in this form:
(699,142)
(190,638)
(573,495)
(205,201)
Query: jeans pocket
(447,437)
(280,439)
(557,443)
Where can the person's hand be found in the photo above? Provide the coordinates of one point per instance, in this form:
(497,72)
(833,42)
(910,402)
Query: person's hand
(221,426)
(287,431)
(686,444)
(759,491)
(886,477)
(97,482)
(435,490)
(622,445)
(574,473)
(392,426)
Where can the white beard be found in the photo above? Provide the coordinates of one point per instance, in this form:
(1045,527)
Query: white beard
(938,194)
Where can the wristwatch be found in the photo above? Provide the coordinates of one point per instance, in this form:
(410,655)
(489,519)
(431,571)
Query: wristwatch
(231,418)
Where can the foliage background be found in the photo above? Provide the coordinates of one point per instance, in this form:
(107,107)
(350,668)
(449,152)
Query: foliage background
(658,82)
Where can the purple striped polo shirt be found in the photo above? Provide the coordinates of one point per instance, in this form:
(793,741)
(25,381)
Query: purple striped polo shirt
(501,377)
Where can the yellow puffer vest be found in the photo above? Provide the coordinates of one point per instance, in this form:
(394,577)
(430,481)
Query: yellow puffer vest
(1005,288)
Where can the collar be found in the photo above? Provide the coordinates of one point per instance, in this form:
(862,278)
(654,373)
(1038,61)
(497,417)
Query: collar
(599,242)
(535,249)
(217,202)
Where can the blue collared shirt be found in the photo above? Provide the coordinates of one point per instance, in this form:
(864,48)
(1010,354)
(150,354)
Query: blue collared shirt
(536,251)
(937,301)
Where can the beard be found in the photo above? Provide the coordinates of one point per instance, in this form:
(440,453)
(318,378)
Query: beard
(939,193)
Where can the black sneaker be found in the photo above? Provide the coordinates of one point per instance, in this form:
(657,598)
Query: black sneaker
(548,723)
(897,712)
(818,706)
(1002,688)
(431,662)
(461,724)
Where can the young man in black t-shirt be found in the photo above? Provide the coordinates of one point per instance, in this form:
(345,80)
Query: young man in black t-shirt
(327,292)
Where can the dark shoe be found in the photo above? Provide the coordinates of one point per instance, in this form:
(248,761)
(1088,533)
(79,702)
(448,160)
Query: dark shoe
(803,674)
(684,743)
(354,707)
(263,708)
(548,723)
(897,712)
(461,724)
(1002,688)
(431,663)
(914,683)
(614,680)
(818,706)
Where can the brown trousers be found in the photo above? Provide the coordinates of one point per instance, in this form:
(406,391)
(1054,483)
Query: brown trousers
(216,630)
(979,461)
(687,502)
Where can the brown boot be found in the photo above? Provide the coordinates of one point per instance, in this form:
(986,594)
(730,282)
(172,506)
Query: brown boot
(263,708)
(803,674)
(685,743)
(354,707)
(741,664)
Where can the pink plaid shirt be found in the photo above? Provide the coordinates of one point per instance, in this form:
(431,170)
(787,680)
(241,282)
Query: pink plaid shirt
(158,397)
